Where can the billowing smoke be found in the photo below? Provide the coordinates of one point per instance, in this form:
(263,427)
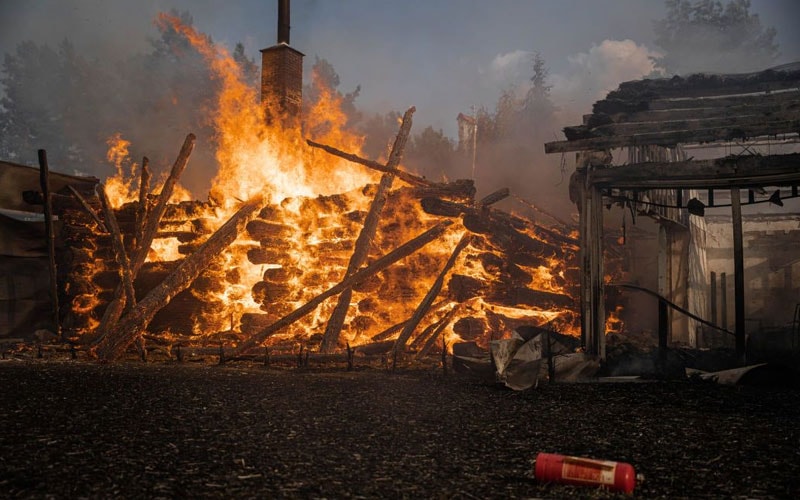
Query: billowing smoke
(593,74)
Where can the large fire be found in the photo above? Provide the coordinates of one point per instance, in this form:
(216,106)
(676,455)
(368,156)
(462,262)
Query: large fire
(301,242)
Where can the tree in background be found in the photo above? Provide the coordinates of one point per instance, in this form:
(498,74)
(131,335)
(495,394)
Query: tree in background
(58,100)
(537,108)
(432,153)
(709,36)
(325,78)
(46,96)
(251,74)
(379,131)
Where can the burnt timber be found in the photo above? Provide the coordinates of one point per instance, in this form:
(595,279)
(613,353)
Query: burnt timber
(655,119)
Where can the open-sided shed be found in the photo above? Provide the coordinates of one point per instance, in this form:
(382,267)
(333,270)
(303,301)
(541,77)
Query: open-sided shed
(741,123)
(25,296)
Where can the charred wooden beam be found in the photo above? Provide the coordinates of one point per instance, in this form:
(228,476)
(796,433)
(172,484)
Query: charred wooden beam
(119,246)
(143,209)
(408,177)
(438,328)
(361,251)
(675,137)
(115,308)
(707,85)
(426,302)
(508,229)
(733,171)
(462,288)
(400,252)
(123,333)
(697,109)
(701,125)
(50,239)
(88,208)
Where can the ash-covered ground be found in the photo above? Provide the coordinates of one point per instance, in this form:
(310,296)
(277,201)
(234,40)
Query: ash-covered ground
(73,429)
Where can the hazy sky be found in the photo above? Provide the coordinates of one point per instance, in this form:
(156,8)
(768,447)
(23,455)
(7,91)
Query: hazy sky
(442,56)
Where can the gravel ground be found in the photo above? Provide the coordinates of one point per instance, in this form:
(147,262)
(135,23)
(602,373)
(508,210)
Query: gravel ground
(160,430)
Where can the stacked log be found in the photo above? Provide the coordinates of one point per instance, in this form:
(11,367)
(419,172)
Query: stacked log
(326,233)
(86,255)
(303,249)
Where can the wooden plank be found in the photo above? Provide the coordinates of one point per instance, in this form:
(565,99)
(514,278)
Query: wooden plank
(608,106)
(773,170)
(688,109)
(749,119)
(705,85)
(675,137)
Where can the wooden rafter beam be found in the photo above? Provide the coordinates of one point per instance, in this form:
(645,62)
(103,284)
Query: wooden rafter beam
(669,122)
(675,137)
(704,85)
(616,110)
(737,171)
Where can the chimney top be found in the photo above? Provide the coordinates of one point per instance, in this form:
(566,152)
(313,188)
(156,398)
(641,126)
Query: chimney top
(283,22)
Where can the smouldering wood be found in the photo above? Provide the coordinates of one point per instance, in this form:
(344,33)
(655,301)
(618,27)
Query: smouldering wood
(400,252)
(115,307)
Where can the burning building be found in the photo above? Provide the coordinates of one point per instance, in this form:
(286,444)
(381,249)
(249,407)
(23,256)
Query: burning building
(302,243)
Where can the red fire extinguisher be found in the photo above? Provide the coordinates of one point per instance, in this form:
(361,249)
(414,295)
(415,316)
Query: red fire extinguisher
(616,476)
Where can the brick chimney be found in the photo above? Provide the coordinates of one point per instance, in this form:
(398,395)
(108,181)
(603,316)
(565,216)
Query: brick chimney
(282,73)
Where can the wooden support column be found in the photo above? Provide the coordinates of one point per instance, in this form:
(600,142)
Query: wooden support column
(738,275)
(583,206)
(593,315)
(597,297)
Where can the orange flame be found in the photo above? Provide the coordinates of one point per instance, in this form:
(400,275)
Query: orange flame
(305,235)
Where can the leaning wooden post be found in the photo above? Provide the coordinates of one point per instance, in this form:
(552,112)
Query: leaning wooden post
(124,332)
(88,208)
(141,210)
(330,340)
(50,235)
(426,302)
(118,245)
(359,276)
(440,326)
(116,306)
